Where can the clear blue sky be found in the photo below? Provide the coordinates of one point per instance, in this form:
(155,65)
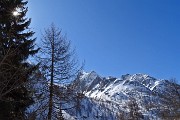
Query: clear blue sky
(116,37)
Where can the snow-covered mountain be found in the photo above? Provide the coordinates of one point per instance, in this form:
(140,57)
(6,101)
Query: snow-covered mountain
(110,98)
(93,97)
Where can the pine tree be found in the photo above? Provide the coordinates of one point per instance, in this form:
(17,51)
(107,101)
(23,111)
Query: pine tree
(16,45)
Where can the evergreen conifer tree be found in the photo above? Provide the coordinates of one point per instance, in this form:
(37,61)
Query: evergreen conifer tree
(16,45)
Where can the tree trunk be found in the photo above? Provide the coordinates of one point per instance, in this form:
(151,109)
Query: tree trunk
(51,83)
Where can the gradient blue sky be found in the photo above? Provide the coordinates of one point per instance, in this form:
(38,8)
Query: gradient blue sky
(116,37)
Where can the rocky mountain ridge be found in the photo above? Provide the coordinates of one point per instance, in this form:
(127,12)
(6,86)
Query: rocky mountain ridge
(93,97)
(110,96)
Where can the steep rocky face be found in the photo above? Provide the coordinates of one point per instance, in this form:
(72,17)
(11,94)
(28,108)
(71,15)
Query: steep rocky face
(111,96)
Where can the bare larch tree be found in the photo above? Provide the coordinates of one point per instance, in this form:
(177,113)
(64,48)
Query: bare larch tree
(58,63)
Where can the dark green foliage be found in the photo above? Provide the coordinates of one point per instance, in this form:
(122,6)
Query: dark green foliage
(16,46)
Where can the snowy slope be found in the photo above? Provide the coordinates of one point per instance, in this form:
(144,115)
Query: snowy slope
(93,97)
(113,94)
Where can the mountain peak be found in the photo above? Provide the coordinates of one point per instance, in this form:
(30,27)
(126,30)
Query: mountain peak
(88,75)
